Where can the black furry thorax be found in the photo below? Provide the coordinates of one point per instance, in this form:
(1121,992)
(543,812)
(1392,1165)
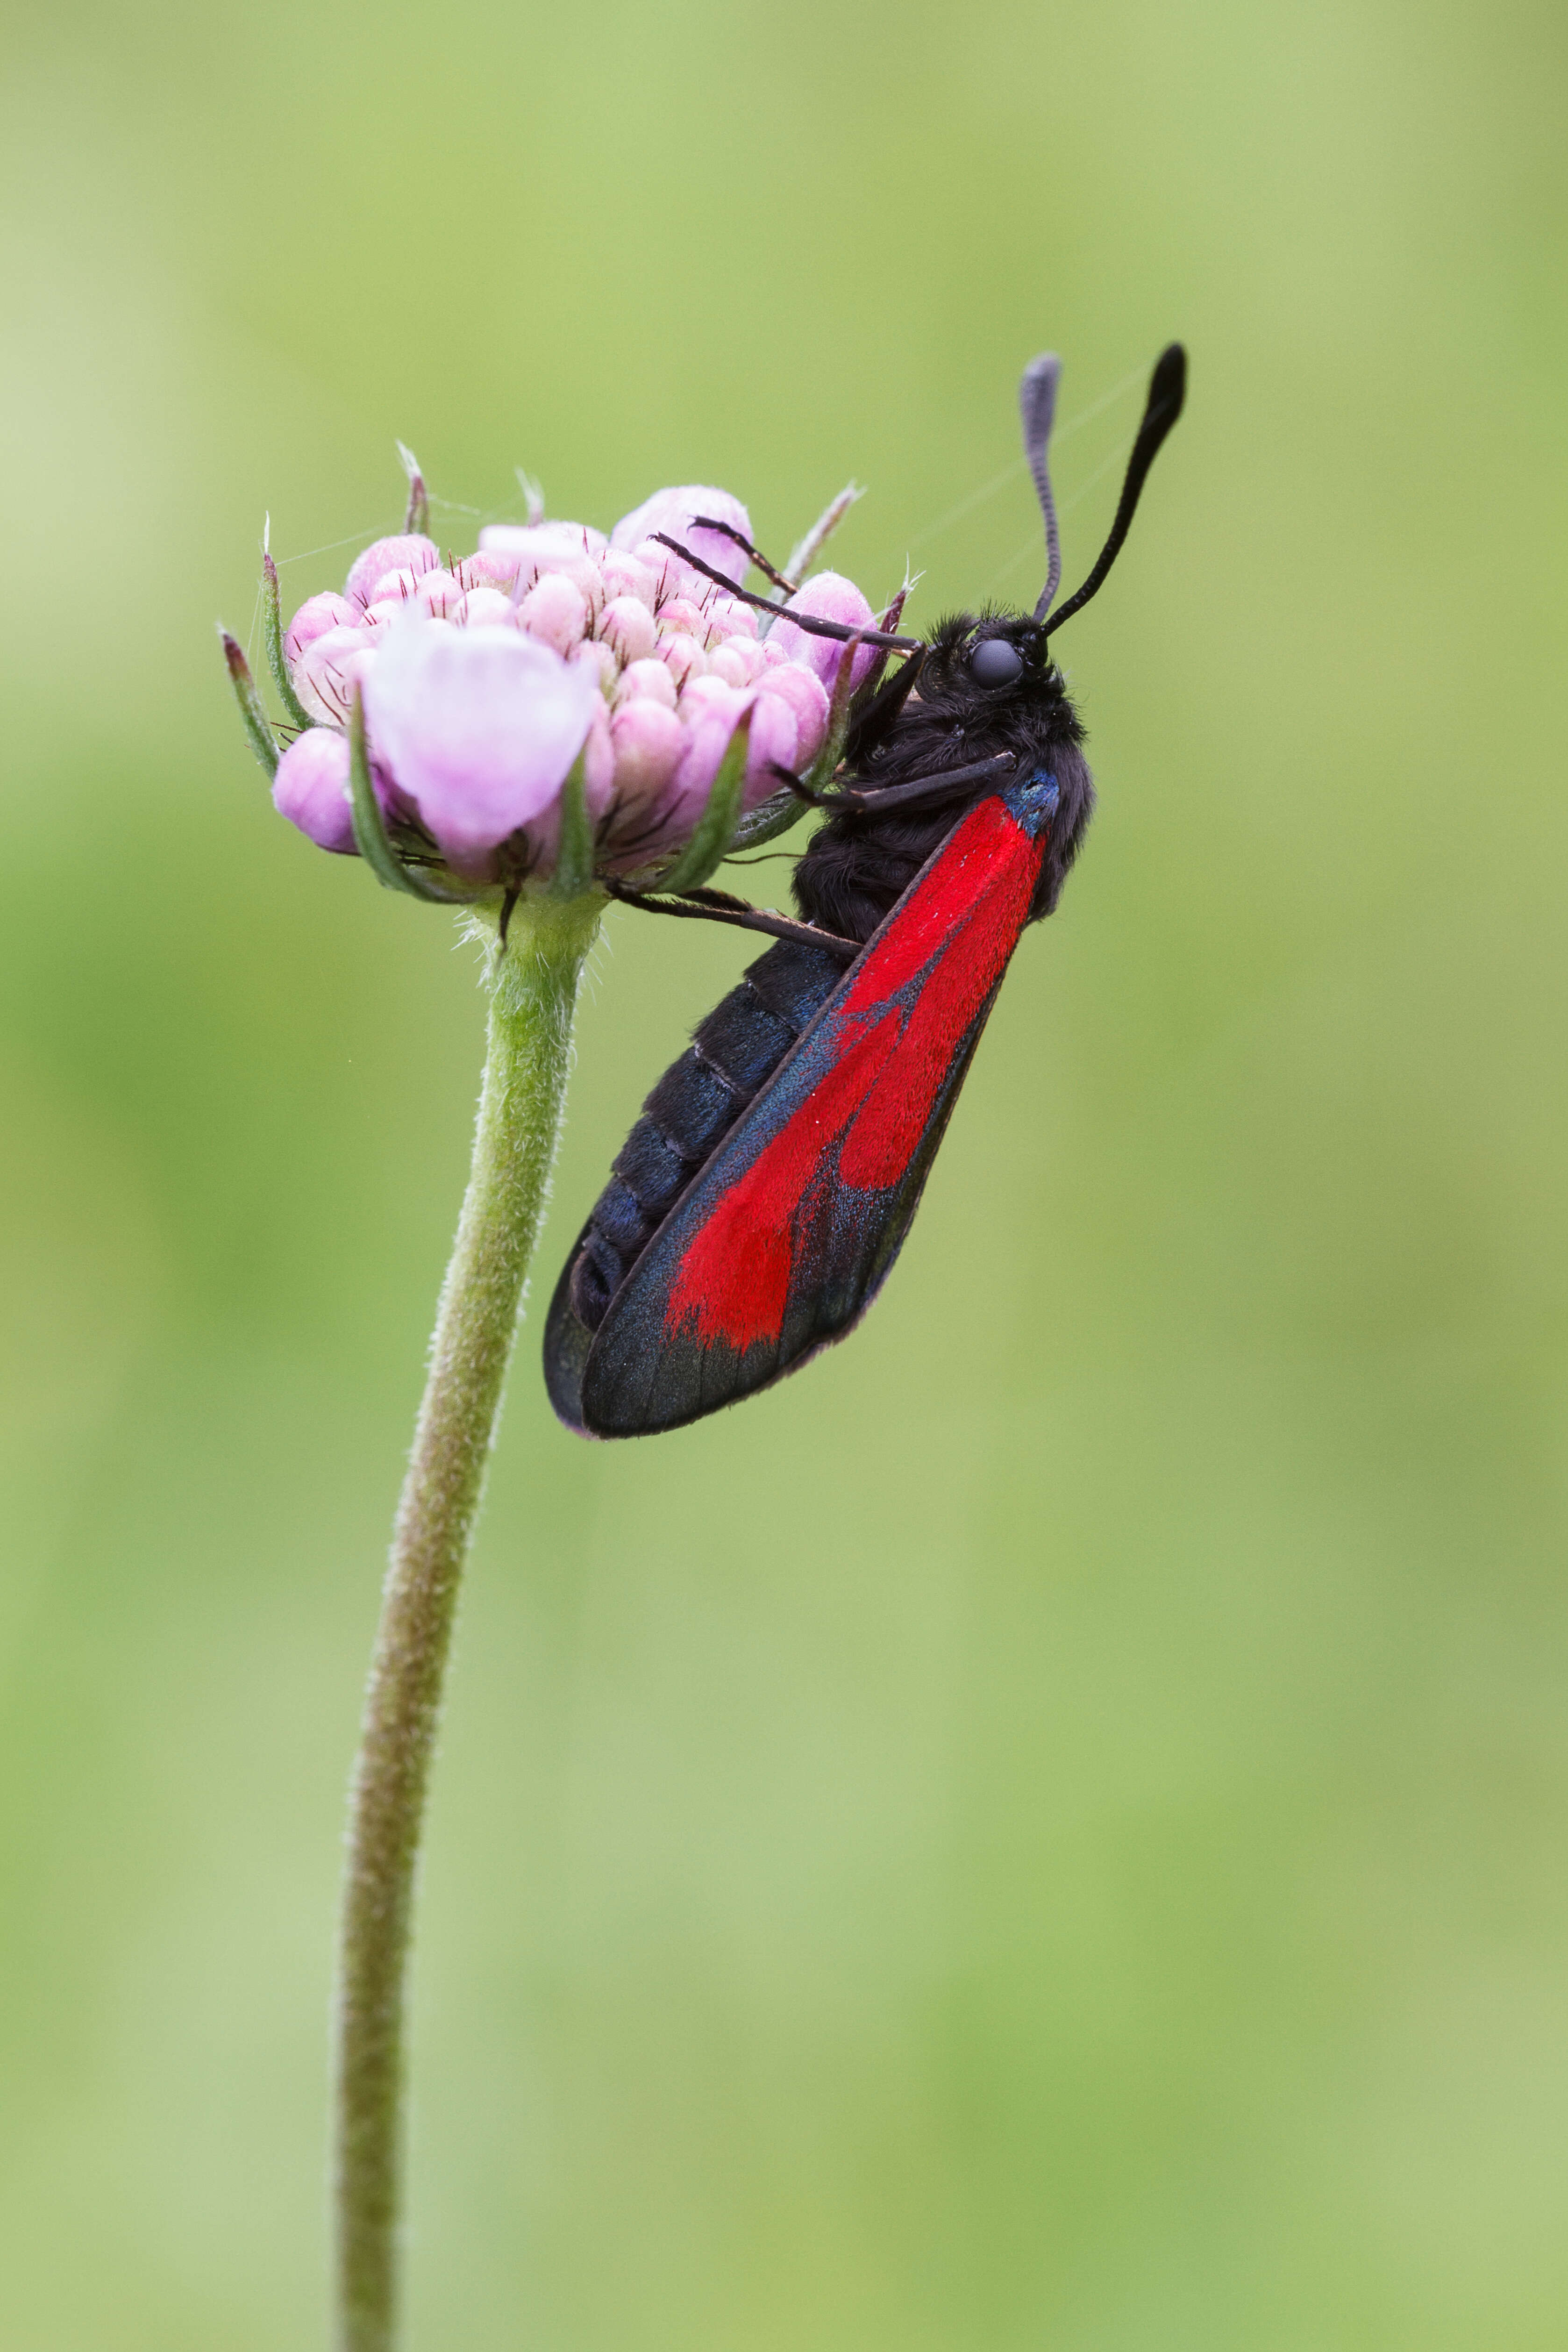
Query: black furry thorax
(858,863)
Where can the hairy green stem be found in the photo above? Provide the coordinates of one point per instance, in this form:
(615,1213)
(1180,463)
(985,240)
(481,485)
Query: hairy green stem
(534,994)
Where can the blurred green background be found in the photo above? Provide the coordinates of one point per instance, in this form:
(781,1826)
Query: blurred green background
(1049,1830)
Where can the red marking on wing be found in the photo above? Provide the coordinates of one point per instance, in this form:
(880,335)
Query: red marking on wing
(967,869)
(733,1280)
(878,1092)
(880,1143)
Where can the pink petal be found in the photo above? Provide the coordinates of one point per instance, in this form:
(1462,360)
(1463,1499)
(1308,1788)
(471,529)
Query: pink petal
(569,539)
(478,727)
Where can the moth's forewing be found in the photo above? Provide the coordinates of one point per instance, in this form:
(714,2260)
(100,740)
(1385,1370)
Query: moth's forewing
(783,1237)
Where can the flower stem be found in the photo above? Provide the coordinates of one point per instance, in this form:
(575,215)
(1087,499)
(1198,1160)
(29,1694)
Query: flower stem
(534,992)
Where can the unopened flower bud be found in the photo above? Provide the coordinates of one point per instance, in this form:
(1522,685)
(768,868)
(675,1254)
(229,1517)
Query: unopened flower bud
(675,511)
(649,740)
(488,569)
(683,657)
(439,594)
(598,762)
(681,613)
(627,625)
(314,618)
(326,672)
(311,789)
(406,549)
(670,577)
(625,576)
(727,662)
(803,693)
(829,597)
(776,740)
(400,586)
(712,721)
(599,661)
(646,681)
(555,612)
(482,607)
(706,693)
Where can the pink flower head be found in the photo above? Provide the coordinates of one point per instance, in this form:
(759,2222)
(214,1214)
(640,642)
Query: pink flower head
(829,597)
(674,512)
(477,727)
(485,678)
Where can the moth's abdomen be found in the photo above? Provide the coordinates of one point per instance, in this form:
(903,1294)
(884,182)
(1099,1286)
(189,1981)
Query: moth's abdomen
(732,1055)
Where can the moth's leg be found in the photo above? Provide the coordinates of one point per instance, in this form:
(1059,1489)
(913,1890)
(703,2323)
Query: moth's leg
(805,791)
(739,538)
(717,907)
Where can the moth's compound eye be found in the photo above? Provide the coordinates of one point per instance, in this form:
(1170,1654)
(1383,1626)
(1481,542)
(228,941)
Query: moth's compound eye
(996,663)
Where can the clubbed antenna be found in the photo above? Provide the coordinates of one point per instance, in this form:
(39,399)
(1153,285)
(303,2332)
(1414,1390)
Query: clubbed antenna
(1037,403)
(1167,389)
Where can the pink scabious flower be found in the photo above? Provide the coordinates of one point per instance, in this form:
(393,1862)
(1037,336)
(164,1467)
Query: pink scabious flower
(485,684)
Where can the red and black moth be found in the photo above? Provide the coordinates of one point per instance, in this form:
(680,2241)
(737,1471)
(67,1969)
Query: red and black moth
(763,1196)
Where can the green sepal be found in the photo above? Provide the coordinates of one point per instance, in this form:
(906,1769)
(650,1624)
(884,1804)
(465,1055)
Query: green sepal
(823,767)
(251,709)
(370,834)
(533,496)
(418,515)
(768,820)
(574,853)
(714,831)
(784,808)
(805,552)
(272,629)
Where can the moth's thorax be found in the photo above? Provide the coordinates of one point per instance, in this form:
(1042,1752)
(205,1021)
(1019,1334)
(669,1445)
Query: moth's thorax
(1033,801)
(858,863)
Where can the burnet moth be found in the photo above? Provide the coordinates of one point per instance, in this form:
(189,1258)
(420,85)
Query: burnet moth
(760,1200)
